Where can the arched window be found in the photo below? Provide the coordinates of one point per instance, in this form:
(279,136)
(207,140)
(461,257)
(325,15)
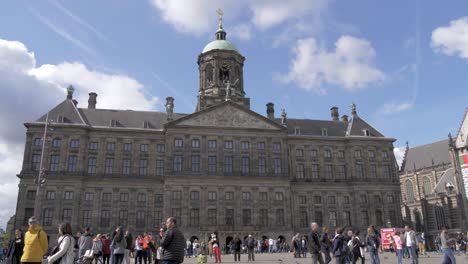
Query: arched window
(409,191)
(427,186)
(224,73)
(209,73)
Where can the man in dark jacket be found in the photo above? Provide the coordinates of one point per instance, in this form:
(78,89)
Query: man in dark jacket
(314,244)
(339,246)
(173,243)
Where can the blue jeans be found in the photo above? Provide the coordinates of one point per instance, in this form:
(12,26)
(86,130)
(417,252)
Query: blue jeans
(169,262)
(448,254)
(412,251)
(400,256)
(374,257)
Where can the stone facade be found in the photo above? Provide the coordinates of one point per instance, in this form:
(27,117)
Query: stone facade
(223,167)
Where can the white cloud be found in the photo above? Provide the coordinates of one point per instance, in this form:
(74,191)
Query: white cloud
(241,31)
(393,107)
(399,154)
(350,65)
(453,39)
(29,91)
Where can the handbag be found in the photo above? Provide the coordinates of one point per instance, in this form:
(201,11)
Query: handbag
(57,249)
(89,254)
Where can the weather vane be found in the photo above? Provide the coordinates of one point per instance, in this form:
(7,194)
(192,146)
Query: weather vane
(220,14)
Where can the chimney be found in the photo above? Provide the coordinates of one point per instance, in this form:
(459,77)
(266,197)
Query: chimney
(344,118)
(270,110)
(334,113)
(92,100)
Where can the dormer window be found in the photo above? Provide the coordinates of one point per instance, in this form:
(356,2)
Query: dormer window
(324,132)
(297,131)
(366,133)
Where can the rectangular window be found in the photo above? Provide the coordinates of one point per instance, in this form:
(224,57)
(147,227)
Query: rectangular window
(87,217)
(143,167)
(195,143)
(246,217)
(92,165)
(363,198)
(176,195)
(177,163)
(245,165)
(299,153)
(263,217)
(261,165)
(371,154)
(341,172)
(31,195)
(277,166)
(140,219)
(279,217)
(332,219)
(47,216)
(67,215)
(357,154)
(108,166)
(194,195)
(390,198)
(110,147)
(50,195)
(386,171)
(194,217)
(276,146)
(37,142)
(56,143)
(127,147)
(212,164)
(302,199)
(246,196)
(159,198)
(384,154)
(141,198)
(159,167)
(228,160)
(317,199)
(346,199)
(35,162)
(195,163)
(106,197)
(300,171)
(124,197)
(328,171)
(279,196)
(315,171)
(178,142)
(229,196)
(126,166)
(177,213)
(229,217)
(245,145)
(303,218)
(71,164)
(314,153)
(212,217)
(93,145)
(144,148)
(212,196)
(318,218)
(372,170)
(68,195)
(74,143)
(89,196)
(331,200)
(105,218)
(341,154)
(365,218)
(228,144)
(263,196)
(160,148)
(261,145)
(211,144)
(392,217)
(123,218)
(359,170)
(346,218)
(54,162)
(158,218)
(327,154)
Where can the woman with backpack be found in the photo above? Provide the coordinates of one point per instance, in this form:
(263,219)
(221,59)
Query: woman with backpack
(373,245)
(64,252)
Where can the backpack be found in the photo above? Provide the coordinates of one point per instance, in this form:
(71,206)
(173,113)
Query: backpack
(345,250)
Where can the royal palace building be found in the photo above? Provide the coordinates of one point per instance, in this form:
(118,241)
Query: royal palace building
(222,167)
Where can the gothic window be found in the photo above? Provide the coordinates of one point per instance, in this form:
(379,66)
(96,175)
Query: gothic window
(409,191)
(209,73)
(427,186)
(224,73)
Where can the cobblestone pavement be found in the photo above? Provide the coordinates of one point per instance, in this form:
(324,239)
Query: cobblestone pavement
(284,258)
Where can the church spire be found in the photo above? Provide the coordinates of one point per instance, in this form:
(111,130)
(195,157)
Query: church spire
(220,33)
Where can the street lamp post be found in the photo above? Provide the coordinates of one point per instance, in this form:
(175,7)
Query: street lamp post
(40,179)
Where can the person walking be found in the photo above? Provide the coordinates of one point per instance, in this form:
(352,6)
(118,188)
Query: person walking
(85,242)
(236,246)
(35,243)
(105,249)
(118,246)
(216,248)
(421,244)
(339,247)
(357,248)
(314,244)
(409,239)
(64,252)
(129,248)
(250,244)
(398,246)
(446,249)
(373,245)
(325,245)
(97,248)
(139,252)
(15,248)
(173,243)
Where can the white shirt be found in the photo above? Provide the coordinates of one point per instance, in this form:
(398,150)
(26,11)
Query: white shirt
(408,239)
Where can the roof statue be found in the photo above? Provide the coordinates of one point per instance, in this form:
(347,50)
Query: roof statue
(220,15)
(229,89)
(70,91)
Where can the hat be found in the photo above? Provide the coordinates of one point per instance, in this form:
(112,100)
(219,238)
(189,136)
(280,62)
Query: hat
(32,220)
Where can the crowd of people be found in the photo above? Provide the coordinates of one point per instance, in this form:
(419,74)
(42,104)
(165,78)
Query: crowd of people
(169,246)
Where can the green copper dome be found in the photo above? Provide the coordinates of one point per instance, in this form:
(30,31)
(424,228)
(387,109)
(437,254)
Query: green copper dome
(220,44)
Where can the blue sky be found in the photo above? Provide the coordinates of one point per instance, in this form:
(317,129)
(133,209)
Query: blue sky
(402,62)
